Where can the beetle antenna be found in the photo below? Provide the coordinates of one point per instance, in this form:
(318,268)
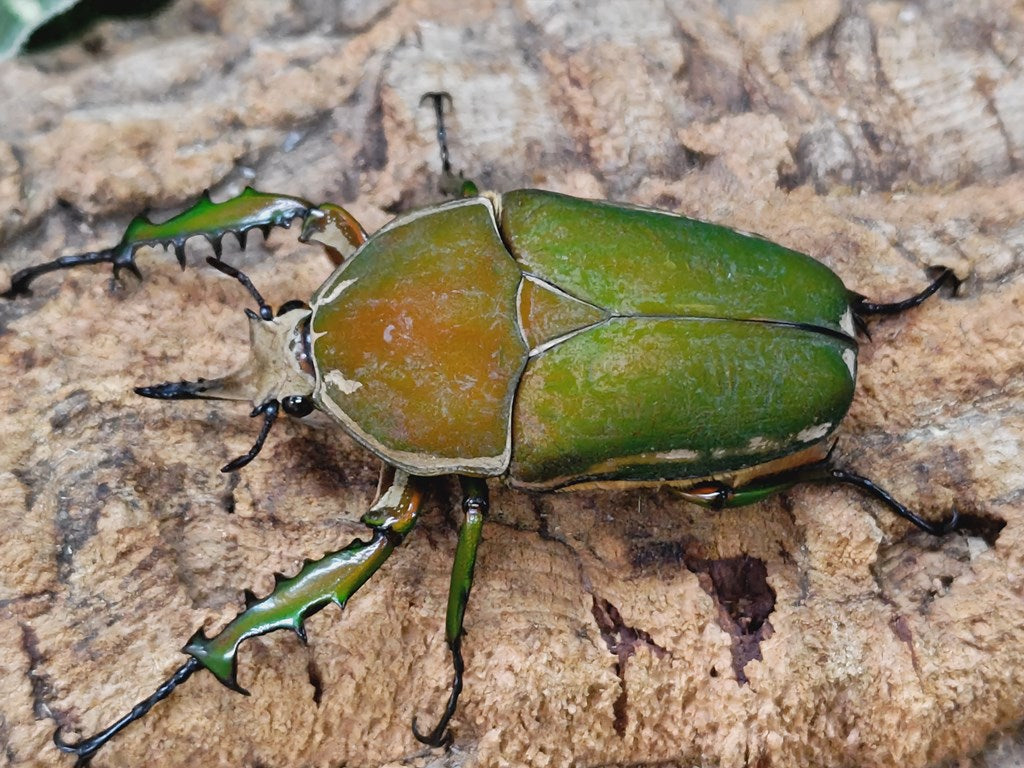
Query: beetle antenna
(265,311)
(288,306)
(269,411)
(87,748)
(842,476)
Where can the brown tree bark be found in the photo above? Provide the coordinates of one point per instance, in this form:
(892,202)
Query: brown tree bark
(605,628)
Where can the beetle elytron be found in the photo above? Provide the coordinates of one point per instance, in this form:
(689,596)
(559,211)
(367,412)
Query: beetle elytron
(552,341)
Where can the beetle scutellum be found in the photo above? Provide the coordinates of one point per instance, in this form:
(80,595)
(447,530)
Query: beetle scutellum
(551,341)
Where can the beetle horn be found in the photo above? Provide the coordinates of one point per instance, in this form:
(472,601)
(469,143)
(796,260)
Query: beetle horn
(187,390)
(275,367)
(278,367)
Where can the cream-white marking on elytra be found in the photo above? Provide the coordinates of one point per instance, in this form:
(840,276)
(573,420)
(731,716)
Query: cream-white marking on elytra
(347,386)
(846,323)
(850,358)
(336,291)
(811,434)
(732,478)
(677,454)
(392,497)
(758,444)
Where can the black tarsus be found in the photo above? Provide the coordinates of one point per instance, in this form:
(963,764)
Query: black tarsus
(451,183)
(440,736)
(438,98)
(269,411)
(864,484)
(863,307)
(120,256)
(86,748)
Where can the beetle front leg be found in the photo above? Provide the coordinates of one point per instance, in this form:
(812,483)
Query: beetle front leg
(328,224)
(332,579)
(475,504)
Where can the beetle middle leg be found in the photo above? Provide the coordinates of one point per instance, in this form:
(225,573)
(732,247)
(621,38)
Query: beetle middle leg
(475,504)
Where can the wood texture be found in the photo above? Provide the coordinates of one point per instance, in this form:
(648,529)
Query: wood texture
(604,629)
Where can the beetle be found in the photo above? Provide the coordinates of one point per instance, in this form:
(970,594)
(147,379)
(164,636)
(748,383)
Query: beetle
(555,342)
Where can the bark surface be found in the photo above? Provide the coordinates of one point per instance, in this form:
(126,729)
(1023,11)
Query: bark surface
(605,629)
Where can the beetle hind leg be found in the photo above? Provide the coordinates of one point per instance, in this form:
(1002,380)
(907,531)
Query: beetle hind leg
(718,495)
(866,485)
(863,308)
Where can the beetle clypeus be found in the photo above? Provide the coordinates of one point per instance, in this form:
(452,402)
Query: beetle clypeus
(552,341)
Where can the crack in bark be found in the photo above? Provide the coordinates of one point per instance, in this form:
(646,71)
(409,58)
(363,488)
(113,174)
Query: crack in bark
(739,587)
(901,628)
(40,684)
(316,679)
(622,640)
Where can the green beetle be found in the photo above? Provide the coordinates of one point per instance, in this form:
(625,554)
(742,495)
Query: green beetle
(552,341)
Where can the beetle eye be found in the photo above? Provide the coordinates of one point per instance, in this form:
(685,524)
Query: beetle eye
(297,405)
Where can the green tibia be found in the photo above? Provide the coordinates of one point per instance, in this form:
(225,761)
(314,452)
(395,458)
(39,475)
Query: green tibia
(753,494)
(250,210)
(475,503)
(332,579)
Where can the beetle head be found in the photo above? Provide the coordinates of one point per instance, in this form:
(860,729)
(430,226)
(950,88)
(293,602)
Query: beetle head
(278,374)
